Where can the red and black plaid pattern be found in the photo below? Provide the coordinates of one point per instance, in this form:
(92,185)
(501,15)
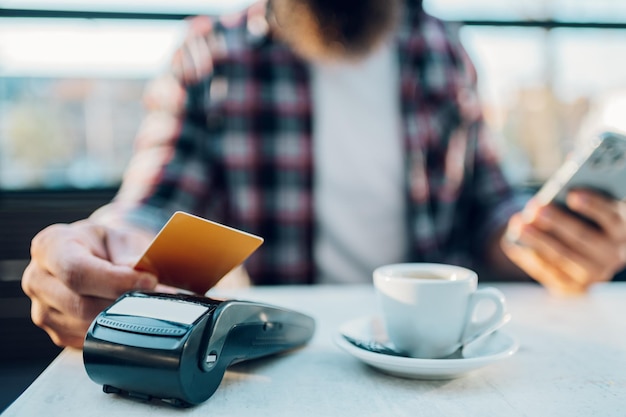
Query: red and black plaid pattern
(229,138)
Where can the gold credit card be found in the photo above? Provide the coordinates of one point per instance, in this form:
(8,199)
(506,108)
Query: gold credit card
(193,253)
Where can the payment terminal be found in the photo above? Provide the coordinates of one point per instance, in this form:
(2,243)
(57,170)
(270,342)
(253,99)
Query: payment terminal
(176,347)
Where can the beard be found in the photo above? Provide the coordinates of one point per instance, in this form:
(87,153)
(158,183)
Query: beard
(335,29)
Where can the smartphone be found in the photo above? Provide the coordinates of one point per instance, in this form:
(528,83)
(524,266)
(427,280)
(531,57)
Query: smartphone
(598,165)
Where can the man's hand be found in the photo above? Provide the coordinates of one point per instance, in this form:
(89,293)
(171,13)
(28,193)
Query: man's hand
(76,271)
(563,252)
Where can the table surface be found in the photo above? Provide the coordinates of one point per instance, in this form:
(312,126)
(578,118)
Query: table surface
(571,362)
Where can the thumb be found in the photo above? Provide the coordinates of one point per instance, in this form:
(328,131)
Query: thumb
(126,246)
(100,278)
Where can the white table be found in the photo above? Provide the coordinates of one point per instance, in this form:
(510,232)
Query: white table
(572,362)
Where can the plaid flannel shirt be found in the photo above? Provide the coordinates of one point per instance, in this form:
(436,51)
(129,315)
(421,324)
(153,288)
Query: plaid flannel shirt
(228,137)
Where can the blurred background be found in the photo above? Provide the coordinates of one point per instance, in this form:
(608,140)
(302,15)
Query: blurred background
(72,73)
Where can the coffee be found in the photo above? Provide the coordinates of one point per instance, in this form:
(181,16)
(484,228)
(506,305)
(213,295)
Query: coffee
(424,275)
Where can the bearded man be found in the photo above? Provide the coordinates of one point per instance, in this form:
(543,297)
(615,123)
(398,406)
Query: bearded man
(346,133)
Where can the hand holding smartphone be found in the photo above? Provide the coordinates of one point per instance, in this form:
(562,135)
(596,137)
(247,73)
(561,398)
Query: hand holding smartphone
(599,165)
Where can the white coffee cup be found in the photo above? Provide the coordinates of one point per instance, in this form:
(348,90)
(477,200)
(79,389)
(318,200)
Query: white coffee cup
(429,310)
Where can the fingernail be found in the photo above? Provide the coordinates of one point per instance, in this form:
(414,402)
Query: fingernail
(512,236)
(544,214)
(513,233)
(530,211)
(528,215)
(576,200)
(146,282)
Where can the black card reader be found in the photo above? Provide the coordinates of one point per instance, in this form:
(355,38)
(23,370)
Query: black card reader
(176,347)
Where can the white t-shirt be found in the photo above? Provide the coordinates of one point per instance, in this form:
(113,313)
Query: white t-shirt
(359,197)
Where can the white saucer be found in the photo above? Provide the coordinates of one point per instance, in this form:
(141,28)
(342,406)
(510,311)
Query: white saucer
(488,350)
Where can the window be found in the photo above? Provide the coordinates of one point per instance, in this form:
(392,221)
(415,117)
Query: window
(70,97)
(71,85)
(550,73)
(72,74)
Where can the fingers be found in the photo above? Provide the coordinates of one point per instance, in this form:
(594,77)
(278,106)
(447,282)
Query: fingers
(609,214)
(56,296)
(544,271)
(71,278)
(64,315)
(76,255)
(564,252)
(582,248)
(125,247)
(61,328)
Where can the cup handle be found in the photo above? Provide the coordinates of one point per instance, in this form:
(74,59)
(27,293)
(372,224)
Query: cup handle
(474,329)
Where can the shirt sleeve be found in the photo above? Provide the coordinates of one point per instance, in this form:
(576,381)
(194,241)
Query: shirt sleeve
(166,172)
(494,199)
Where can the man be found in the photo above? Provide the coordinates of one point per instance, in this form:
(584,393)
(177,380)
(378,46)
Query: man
(348,135)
